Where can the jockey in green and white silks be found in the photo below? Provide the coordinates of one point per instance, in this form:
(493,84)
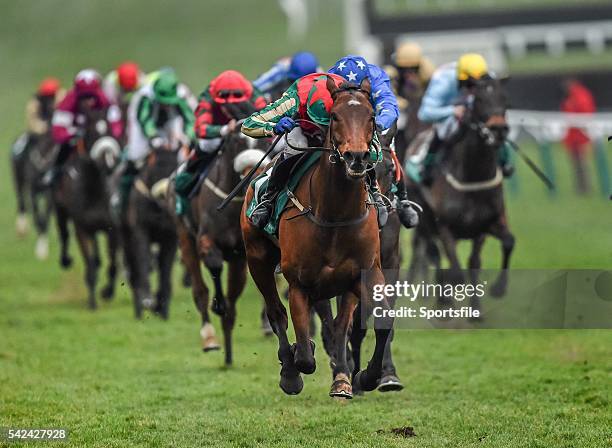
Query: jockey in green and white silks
(308,98)
(160,115)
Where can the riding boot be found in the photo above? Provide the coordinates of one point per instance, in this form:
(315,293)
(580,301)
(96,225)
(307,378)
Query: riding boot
(187,175)
(281,172)
(505,159)
(430,159)
(53,173)
(377,197)
(408,216)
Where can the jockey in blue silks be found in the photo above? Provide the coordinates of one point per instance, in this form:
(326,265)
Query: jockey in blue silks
(355,69)
(285,72)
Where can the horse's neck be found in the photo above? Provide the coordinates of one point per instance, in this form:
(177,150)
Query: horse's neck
(222,173)
(472,160)
(334,197)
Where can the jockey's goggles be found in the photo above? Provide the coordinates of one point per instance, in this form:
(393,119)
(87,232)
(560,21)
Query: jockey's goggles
(231,96)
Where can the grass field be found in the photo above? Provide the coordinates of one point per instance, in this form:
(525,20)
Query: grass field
(116,382)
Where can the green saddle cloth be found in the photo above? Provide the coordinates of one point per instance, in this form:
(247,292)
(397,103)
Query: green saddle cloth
(260,183)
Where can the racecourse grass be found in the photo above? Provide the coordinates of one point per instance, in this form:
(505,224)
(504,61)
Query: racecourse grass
(116,382)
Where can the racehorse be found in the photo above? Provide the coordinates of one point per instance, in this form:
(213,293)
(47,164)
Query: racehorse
(214,237)
(82,196)
(147,222)
(466,199)
(28,169)
(325,248)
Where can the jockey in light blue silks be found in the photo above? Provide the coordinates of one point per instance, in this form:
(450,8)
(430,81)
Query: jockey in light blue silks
(443,105)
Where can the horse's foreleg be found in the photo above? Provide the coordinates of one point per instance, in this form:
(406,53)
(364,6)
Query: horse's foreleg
(86,244)
(324,311)
(369,378)
(64,236)
(213,259)
(341,385)
(141,249)
(40,218)
(262,258)
(501,231)
(198,288)
(454,275)
(166,256)
(21,224)
(358,333)
(300,316)
(474,267)
(112,241)
(236,279)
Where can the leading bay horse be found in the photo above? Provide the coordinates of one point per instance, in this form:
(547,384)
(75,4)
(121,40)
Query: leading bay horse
(466,198)
(81,195)
(328,248)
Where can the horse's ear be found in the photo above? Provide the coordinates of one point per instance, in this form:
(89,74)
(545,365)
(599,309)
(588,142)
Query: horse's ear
(366,86)
(331,86)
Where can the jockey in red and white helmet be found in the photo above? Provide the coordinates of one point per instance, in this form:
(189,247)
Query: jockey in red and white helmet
(85,94)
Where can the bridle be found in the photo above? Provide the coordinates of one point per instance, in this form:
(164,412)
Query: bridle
(335,156)
(482,128)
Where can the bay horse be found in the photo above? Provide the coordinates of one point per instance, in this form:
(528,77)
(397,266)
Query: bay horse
(466,198)
(28,169)
(326,248)
(214,237)
(147,222)
(81,195)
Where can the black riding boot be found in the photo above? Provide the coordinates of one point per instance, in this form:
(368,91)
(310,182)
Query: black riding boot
(430,158)
(379,201)
(281,171)
(408,216)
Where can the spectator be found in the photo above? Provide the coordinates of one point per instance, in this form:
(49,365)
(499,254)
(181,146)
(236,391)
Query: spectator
(578,99)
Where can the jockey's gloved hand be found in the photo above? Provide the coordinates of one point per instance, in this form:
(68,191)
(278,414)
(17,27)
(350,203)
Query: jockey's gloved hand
(228,128)
(284,125)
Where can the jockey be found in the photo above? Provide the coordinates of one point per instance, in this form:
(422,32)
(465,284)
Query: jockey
(228,98)
(40,108)
(120,84)
(68,118)
(278,118)
(159,116)
(443,106)
(285,72)
(413,69)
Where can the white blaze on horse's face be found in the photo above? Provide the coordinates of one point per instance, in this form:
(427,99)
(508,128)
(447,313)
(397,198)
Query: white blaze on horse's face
(354,103)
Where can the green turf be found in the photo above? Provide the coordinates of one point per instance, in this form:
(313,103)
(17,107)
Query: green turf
(114,382)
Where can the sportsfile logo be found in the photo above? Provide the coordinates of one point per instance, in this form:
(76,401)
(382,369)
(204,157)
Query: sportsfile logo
(412,291)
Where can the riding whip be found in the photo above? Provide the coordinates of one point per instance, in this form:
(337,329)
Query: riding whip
(531,164)
(246,179)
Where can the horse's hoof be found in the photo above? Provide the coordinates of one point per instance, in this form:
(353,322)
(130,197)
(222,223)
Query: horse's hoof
(360,382)
(305,366)
(42,248)
(341,387)
(498,289)
(148,303)
(208,338)
(92,305)
(107,292)
(65,261)
(291,385)
(390,383)
(218,306)
(21,225)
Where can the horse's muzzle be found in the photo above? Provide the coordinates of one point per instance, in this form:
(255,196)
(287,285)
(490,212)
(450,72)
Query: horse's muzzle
(356,163)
